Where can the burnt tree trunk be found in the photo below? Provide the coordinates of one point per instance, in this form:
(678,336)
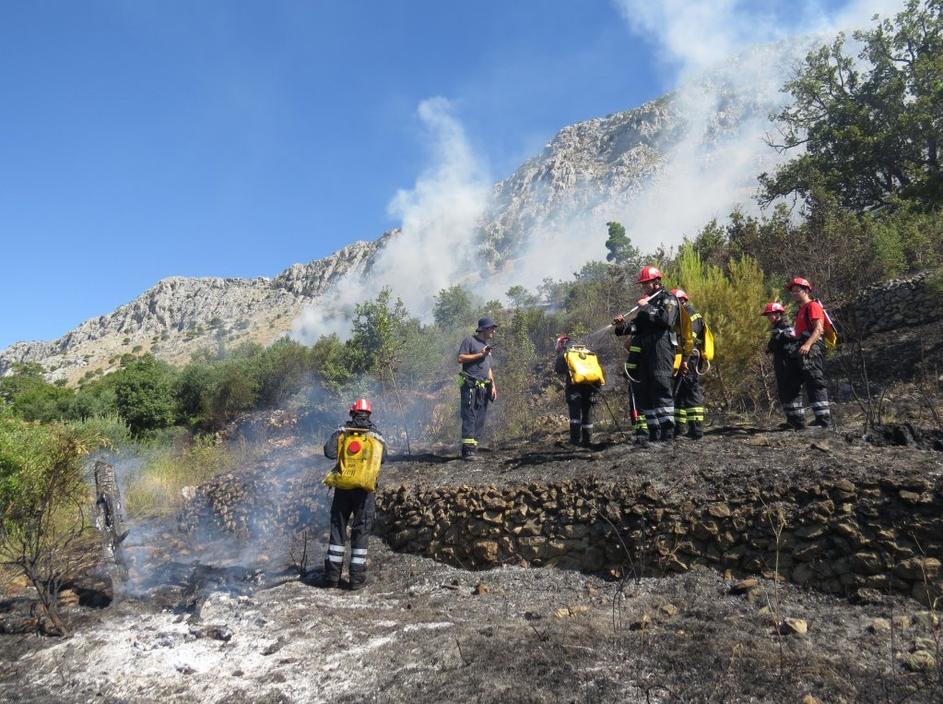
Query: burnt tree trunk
(109,519)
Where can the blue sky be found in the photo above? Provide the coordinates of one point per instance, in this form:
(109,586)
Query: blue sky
(150,138)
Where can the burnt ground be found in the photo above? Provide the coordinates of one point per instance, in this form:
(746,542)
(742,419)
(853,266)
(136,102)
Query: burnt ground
(217,623)
(424,632)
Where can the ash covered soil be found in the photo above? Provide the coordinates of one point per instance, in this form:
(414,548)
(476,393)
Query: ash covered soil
(221,628)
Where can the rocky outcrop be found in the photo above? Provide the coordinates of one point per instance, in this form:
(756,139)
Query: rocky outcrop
(181,315)
(892,305)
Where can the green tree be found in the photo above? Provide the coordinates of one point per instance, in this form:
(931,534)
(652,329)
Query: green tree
(621,249)
(28,396)
(453,307)
(144,394)
(870,130)
(378,332)
(520,297)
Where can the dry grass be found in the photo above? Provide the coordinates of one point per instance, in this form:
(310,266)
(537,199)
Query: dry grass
(156,488)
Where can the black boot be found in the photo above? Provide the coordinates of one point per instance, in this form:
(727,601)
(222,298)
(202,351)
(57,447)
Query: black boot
(586,437)
(653,435)
(668,432)
(696,430)
(641,438)
(358,580)
(468,453)
(331,575)
(574,434)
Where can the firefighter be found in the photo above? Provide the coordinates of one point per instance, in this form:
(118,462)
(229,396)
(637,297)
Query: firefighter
(653,352)
(476,384)
(689,397)
(354,507)
(784,347)
(580,397)
(809,328)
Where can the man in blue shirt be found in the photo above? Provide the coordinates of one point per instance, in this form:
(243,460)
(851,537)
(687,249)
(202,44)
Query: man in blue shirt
(477,384)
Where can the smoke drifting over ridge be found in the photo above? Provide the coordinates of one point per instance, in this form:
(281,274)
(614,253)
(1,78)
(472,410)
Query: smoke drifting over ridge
(730,62)
(439,219)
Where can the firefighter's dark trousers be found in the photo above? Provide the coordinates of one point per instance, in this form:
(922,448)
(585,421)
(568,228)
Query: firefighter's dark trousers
(651,365)
(355,508)
(580,399)
(689,401)
(475,397)
(807,371)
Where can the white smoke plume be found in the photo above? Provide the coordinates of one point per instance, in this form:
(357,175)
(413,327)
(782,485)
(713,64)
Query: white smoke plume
(436,245)
(729,60)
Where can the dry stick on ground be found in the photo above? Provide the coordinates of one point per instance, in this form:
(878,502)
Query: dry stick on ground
(299,562)
(776,605)
(922,386)
(871,410)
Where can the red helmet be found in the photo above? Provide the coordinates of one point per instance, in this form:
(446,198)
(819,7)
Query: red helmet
(799,281)
(561,342)
(679,294)
(361,405)
(773,308)
(648,273)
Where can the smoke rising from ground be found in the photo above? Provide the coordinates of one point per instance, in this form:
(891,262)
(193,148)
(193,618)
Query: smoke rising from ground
(729,61)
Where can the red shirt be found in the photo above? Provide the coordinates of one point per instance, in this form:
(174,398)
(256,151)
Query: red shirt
(806,317)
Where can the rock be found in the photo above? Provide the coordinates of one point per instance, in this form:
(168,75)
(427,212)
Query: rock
(909,497)
(642,624)
(812,530)
(273,647)
(809,699)
(918,661)
(918,568)
(480,589)
(926,620)
(868,595)
(719,510)
(902,622)
(213,631)
(866,563)
(793,626)
(568,611)
(744,585)
(68,597)
(485,551)
(668,610)
(879,625)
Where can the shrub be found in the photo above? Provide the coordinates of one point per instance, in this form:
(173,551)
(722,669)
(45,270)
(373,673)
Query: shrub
(44,497)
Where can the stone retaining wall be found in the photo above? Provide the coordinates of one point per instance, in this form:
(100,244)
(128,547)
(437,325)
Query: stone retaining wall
(890,305)
(837,537)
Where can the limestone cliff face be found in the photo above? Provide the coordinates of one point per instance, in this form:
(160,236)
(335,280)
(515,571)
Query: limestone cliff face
(587,163)
(179,316)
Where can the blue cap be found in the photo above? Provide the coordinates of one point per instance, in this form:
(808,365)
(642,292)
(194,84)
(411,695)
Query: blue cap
(485,323)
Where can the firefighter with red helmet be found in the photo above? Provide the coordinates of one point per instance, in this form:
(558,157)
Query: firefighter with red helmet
(652,353)
(352,507)
(689,394)
(784,347)
(809,330)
